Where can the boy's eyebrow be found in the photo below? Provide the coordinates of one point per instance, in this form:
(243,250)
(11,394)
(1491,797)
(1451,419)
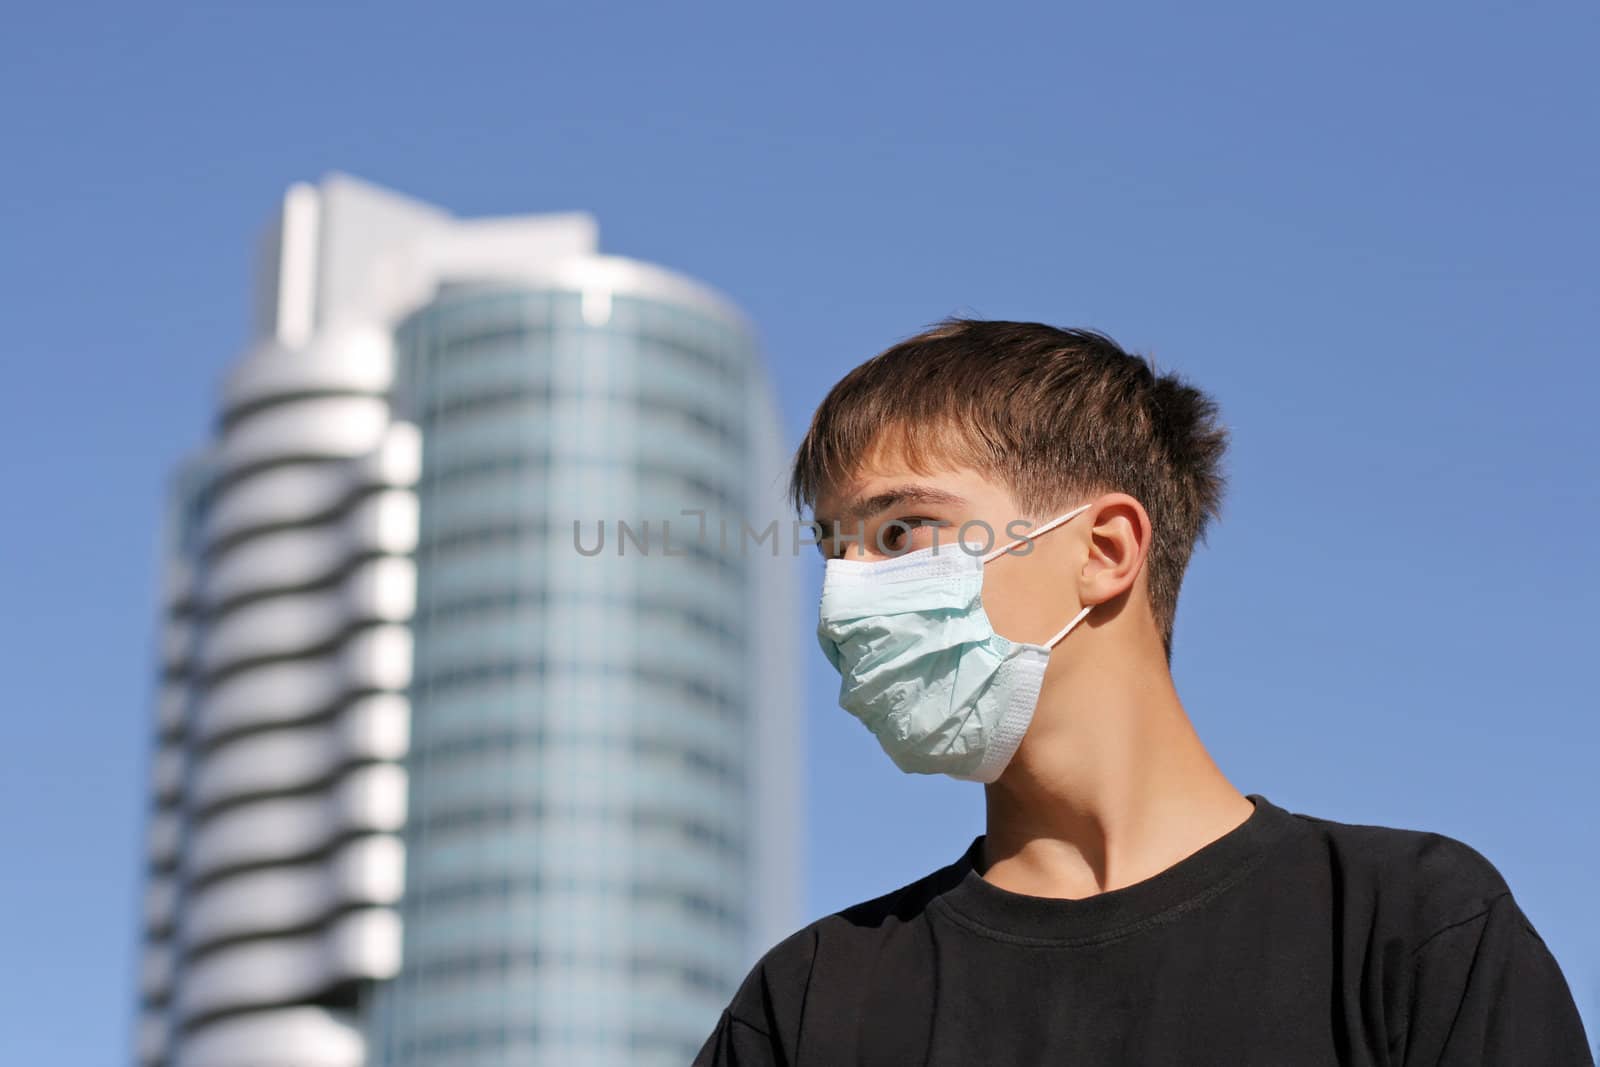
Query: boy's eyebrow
(890,498)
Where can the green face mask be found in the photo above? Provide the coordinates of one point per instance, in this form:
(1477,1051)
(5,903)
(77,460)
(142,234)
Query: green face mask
(922,667)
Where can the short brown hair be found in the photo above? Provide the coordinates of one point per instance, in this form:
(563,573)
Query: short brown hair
(1050,413)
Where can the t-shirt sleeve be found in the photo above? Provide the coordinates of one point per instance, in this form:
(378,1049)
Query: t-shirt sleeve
(737,1043)
(1487,991)
(760,1027)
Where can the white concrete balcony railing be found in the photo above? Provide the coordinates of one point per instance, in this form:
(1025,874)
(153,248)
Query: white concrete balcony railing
(162,836)
(177,582)
(177,642)
(378,658)
(369,799)
(374,727)
(155,968)
(365,871)
(352,358)
(301,492)
(333,427)
(277,495)
(303,555)
(160,902)
(170,703)
(377,589)
(299,1036)
(359,944)
(151,1037)
(375,657)
(166,771)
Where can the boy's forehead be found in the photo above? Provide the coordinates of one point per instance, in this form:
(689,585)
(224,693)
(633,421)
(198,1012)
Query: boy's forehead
(885,477)
(886,481)
(882,465)
(866,497)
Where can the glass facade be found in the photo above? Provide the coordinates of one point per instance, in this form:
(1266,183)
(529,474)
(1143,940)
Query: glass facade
(580,863)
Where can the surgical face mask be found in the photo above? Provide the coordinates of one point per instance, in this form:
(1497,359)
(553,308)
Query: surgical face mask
(922,667)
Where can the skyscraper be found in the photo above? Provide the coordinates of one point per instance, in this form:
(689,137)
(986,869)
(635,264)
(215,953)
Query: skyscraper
(436,781)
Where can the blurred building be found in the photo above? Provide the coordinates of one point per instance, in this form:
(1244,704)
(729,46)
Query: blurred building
(431,785)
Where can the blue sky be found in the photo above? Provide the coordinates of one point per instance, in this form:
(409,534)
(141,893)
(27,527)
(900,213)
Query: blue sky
(1369,230)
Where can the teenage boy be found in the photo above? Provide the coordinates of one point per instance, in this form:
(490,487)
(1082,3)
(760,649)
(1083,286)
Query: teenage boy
(1127,904)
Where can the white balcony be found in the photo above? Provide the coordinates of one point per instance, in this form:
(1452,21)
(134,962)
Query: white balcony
(360,944)
(367,870)
(374,727)
(300,1036)
(375,657)
(377,589)
(303,555)
(367,799)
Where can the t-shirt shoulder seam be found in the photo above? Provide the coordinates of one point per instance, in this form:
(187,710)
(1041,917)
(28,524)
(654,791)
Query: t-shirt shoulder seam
(887,904)
(805,990)
(1428,859)
(1488,906)
(746,1023)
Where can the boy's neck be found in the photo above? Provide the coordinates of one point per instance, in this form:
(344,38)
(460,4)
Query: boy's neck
(1110,786)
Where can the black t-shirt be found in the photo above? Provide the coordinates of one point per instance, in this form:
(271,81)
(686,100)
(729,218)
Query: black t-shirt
(1289,940)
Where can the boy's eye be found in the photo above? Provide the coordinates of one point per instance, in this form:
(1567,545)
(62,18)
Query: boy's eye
(895,533)
(891,537)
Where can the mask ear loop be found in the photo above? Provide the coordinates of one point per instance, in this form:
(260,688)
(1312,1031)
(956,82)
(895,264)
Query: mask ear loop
(1067,629)
(1046,528)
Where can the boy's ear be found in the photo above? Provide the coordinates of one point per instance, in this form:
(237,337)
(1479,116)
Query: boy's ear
(1119,543)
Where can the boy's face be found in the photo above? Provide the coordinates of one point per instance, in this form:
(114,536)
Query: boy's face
(1027,597)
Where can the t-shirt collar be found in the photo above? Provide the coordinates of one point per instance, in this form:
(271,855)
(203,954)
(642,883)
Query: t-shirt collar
(986,908)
